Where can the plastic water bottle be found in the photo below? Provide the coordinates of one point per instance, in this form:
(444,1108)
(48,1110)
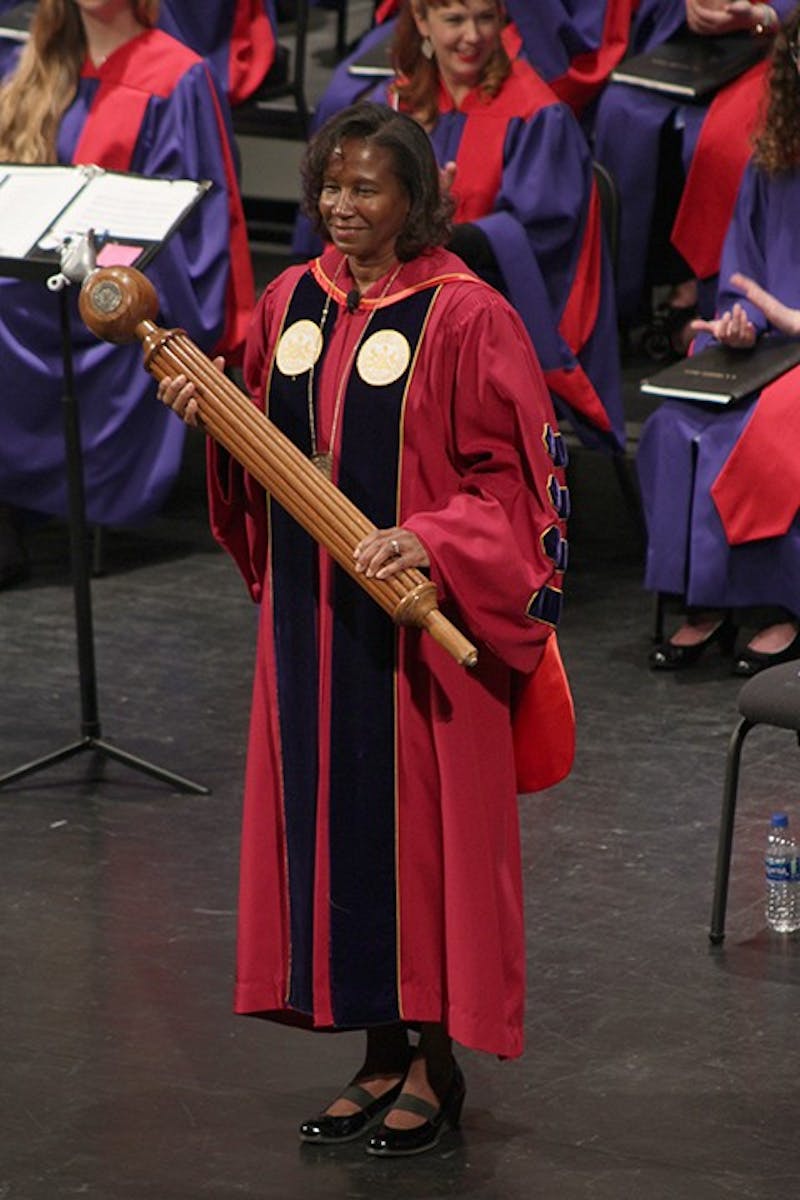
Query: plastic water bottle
(782,871)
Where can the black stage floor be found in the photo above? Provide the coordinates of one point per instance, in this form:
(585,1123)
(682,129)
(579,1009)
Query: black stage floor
(654,1067)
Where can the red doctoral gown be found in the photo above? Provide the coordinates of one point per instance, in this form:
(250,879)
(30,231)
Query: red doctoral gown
(381,874)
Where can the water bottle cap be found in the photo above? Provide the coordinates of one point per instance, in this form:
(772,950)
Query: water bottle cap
(780,820)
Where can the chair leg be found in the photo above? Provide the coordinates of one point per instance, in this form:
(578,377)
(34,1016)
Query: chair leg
(630,495)
(98,548)
(298,84)
(658,618)
(341,28)
(726,823)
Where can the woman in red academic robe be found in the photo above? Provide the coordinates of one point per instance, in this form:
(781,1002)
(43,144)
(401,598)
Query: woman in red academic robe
(381,884)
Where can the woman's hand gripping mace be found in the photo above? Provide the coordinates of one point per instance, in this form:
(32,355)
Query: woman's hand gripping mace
(119,304)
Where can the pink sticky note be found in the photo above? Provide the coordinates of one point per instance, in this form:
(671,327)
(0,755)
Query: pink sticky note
(113,254)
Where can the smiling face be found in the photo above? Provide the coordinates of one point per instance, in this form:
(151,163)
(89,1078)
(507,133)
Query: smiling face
(363,204)
(106,10)
(465,34)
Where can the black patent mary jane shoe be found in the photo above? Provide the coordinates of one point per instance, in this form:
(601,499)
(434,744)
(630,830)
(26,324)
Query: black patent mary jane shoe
(394,1143)
(326,1130)
(749,662)
(666,656)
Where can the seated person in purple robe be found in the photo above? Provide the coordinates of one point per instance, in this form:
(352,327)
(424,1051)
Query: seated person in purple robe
(575,44)
(236,36)
(720,486)
(527,214)
(647,141)
(98,83)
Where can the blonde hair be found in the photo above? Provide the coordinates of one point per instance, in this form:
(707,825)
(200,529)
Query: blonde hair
(41,89)
(417,77)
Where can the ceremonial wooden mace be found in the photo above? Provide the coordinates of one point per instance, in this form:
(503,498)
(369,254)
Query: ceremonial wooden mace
(119,304)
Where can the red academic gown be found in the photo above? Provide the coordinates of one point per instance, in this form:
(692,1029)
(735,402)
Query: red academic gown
(381,872)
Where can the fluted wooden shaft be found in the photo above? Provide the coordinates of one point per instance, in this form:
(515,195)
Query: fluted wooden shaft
(118,304)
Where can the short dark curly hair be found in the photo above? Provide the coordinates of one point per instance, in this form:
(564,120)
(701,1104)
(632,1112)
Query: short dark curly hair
(413,162)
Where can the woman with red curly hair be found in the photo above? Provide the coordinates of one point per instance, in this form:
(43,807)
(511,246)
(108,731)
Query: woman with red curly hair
(527,211)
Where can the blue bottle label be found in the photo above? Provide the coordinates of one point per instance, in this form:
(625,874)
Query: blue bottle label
(782,869)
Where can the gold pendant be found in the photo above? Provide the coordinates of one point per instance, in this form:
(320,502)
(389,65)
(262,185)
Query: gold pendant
(323,461)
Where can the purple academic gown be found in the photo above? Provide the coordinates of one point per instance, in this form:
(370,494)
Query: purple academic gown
(132,445)
(535,232)
(554,32)
(627,130)
(212,28)
(684,445)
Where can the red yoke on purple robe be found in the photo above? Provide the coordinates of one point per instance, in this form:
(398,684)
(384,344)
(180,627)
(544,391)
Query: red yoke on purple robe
(587,72)
(480,167)
(147,66)
(721,155)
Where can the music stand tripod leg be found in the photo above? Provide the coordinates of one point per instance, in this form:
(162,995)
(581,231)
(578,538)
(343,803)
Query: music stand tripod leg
(91,738)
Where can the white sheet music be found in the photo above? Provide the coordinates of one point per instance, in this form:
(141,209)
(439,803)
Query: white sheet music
(41,205)
(126,206)
(30,199)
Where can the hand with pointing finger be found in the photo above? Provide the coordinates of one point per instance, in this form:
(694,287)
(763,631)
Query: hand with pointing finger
(734,328)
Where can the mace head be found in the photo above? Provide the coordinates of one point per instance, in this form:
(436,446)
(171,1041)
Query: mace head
(113,301)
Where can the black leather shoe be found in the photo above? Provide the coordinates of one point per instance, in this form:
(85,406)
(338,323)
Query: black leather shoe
(666,656)
(749,662)
(326,1129)
(393,1143)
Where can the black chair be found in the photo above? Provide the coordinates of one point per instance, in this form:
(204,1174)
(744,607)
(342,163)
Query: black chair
(260,115)
(340,8)
(609,208)
(770,698)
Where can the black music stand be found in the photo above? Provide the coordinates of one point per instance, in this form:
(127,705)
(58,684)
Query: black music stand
(90,730)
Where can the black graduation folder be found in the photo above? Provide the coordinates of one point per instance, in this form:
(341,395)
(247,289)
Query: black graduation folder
(720,375)
(374,60)
(691,65)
